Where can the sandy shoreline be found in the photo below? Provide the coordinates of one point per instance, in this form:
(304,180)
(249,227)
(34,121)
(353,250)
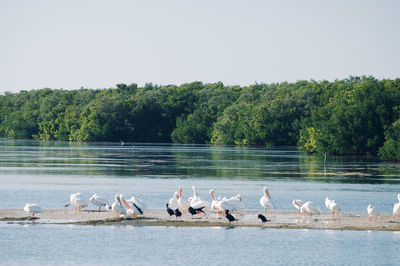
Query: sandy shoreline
(347,221)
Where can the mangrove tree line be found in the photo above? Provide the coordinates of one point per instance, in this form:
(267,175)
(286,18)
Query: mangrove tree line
(354,116)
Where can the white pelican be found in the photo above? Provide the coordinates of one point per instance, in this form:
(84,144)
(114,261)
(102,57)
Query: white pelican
(372,212)
(137,206)
(231,204)
(99,201)
(33,208)
(215,201)
(309,208)
(183,204)
(332,206)
(297,204)
(77,201)
(197,202)
(396,209)
(173,202)
(266,202)
(117,206)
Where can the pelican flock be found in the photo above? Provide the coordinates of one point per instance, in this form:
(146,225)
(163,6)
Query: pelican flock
(196,205)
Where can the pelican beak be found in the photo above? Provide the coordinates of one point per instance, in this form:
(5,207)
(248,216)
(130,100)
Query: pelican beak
(267,192)
(126,203)
(119,201)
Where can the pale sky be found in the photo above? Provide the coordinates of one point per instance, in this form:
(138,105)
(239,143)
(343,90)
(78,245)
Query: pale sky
(99,43)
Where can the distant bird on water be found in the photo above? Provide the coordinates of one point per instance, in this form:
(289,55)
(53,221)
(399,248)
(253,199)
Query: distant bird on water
(33,208)
(169,210)
(262,218)
(229,216)
(178,213)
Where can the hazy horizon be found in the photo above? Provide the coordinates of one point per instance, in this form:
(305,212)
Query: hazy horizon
(97,44)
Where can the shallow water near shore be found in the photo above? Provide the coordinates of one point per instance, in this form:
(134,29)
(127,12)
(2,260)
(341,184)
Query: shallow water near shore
(128,245)
(48,172)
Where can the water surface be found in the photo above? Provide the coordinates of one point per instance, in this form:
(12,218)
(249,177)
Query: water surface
(48,172)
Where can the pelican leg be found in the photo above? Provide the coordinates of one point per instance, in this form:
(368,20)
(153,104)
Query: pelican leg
(370,218)
(99,208)
(134,215)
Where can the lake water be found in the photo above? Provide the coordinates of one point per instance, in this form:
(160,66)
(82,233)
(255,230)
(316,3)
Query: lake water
(48,172)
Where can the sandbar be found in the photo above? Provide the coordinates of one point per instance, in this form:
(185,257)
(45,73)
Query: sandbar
(289,220)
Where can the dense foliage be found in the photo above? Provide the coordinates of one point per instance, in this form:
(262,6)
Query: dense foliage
(357,116)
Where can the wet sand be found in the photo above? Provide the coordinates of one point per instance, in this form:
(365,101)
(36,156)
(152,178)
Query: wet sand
(290,220)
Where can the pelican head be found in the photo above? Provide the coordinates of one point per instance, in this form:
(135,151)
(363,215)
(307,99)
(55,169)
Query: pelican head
(176,195)
(266,192)
(212,193)
(190,199)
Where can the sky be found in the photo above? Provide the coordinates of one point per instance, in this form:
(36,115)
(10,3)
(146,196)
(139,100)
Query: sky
(100,43)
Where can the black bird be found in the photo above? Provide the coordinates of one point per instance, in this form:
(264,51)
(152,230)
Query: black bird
(229,216)
(169,210)
(262,218)
(194,211)
(178,213)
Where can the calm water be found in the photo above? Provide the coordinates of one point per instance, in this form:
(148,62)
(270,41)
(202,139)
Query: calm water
(48,172)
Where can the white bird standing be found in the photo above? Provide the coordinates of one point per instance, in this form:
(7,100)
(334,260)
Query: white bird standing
(396,210)
(33,208)
(215,202)
(332,206)
(117,206)
(173,202)
(372,212)
(77,201)
(183,204)
(297,204)
(197,202)
(99,201)
(309,208)
(137,206)
(231,204)
(266,202)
